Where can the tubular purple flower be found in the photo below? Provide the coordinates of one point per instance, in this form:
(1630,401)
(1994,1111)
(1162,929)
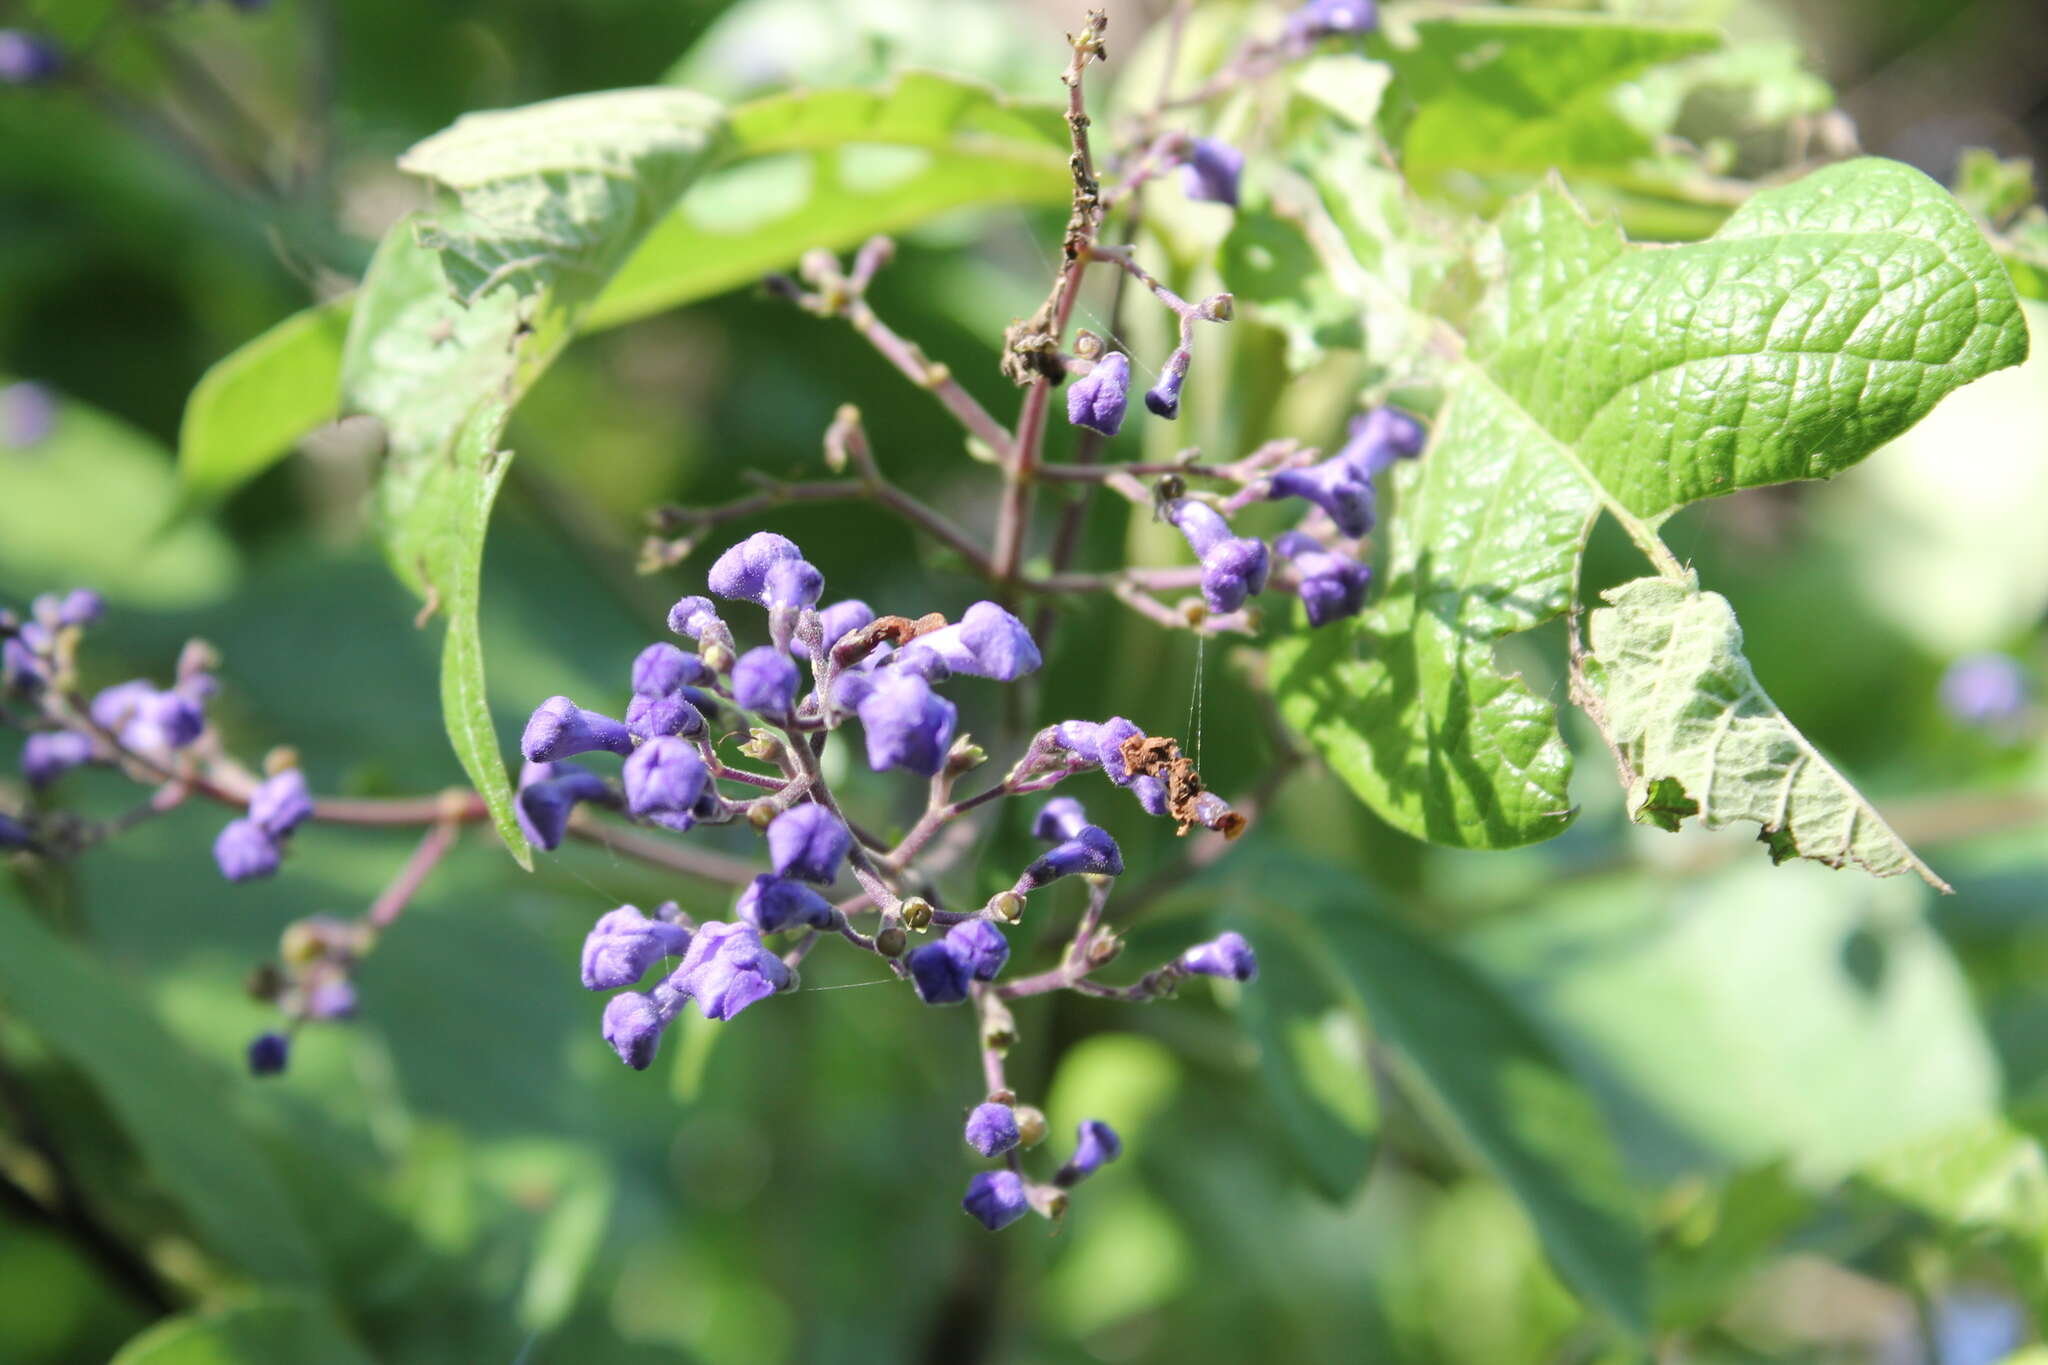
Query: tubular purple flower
(81,607)
(1326,18)
(661,669)
(1211,171)
(772,904)
(1233,568)
(653,717)
(1096,1145)
(992,1129)
(27,59)
(939,972)
(281,803)
(996,1199)
(765,680)
(986,642)
(1336,486)
(163,721)
(1110,738)
(1151,793)
(907,724)
(1986,690)
(1091,851)
(19,667)
(245,851)
(808,842)
(1379,438)
(624,943)
(1059,819)
(560,728)
(1332,586)
(548,793)
(791,583)
(49,754)
(1163,398)
(693,616)
(980,945)
(331,998)
(664,778)
(268,1054)
(1228,956)
(742,571)
(842,619)
(112,707)
(727,969)
(633,1025)
(1097,399)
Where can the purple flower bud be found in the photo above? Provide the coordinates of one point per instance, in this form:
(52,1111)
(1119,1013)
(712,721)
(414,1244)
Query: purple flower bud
(1163,398)
(940,973)
(907,724)
(1091,851)
(281,803)
(1336,486)
(633,1025)
(1059,819)
(13,833)
(81,607)
(268,1053)
(693,616)
(26,59)
(996,1199)
(1379,438)
(1332,586)
(664,778)
(28,411)
(624,943)
(548,793)
(1986,690)
(332,998)
(661,669)
(246,851)
(791,583)
(772,904)
(1151,793)
(986,642)
(19,667)
(808,842)
(112,707)
(1096,1144)
(1110,738)
(742,571)
(651,717)
(50,754)
(727,969)
(562,729)
(1233,568)
(1211,171)
(1097,399)
(980,945)
(765,680)
(1227,956)
(992,1129)
(842,619)
(1325,18)
(163,721)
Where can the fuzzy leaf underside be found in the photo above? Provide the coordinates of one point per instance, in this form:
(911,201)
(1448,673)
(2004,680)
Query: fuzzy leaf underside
(1686,715)
(1824,319)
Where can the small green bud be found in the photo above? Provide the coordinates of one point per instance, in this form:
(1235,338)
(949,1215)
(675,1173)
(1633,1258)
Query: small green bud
(1103,949)
(917,913)
(762,813)
(1008,905)
(716,657)
(892,941)
(1030,1125)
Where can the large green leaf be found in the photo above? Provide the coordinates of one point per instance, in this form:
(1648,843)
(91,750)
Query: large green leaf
(171,1107)
(1823,319)
(262,1331)
(255,403)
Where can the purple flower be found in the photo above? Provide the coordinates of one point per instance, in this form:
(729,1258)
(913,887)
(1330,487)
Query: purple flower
(940,973)
(281,803)
(1986,690)
(1095,1146)
(765,680)
(1332,586)
(548,793)
(1379,438)
(162,721)
(13,833)
(1336,486)
(996,1199)
(664,778)
(1211,171)
(560,728)
(662,669)
(1227,956)
(1097,399)
(1233,567)
(842,619)
(19,667)
(1325,18)
(80,607)
(112,707)
(742,571)
(695,615)
(992,1129)
(1100,744)
(651,717)
(727,969)
(1058,819)
(772,904)
(791,583)
(633,1025)
(907,724)
(1151,793)
(28,411)
(1091,851)
(808,842)
(246,851)
(986,642)
(1163,398)
(624,943)
(333,997)
(980,946)
(49,754)
(26,59)
(268,1053)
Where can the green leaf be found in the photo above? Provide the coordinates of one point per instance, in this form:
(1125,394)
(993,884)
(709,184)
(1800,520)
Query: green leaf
(171,1107)
(262,1331)
(253,405)
(1691,726)
(1490,92)
(1989,1175)
(1825,317)
(1481,1064)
